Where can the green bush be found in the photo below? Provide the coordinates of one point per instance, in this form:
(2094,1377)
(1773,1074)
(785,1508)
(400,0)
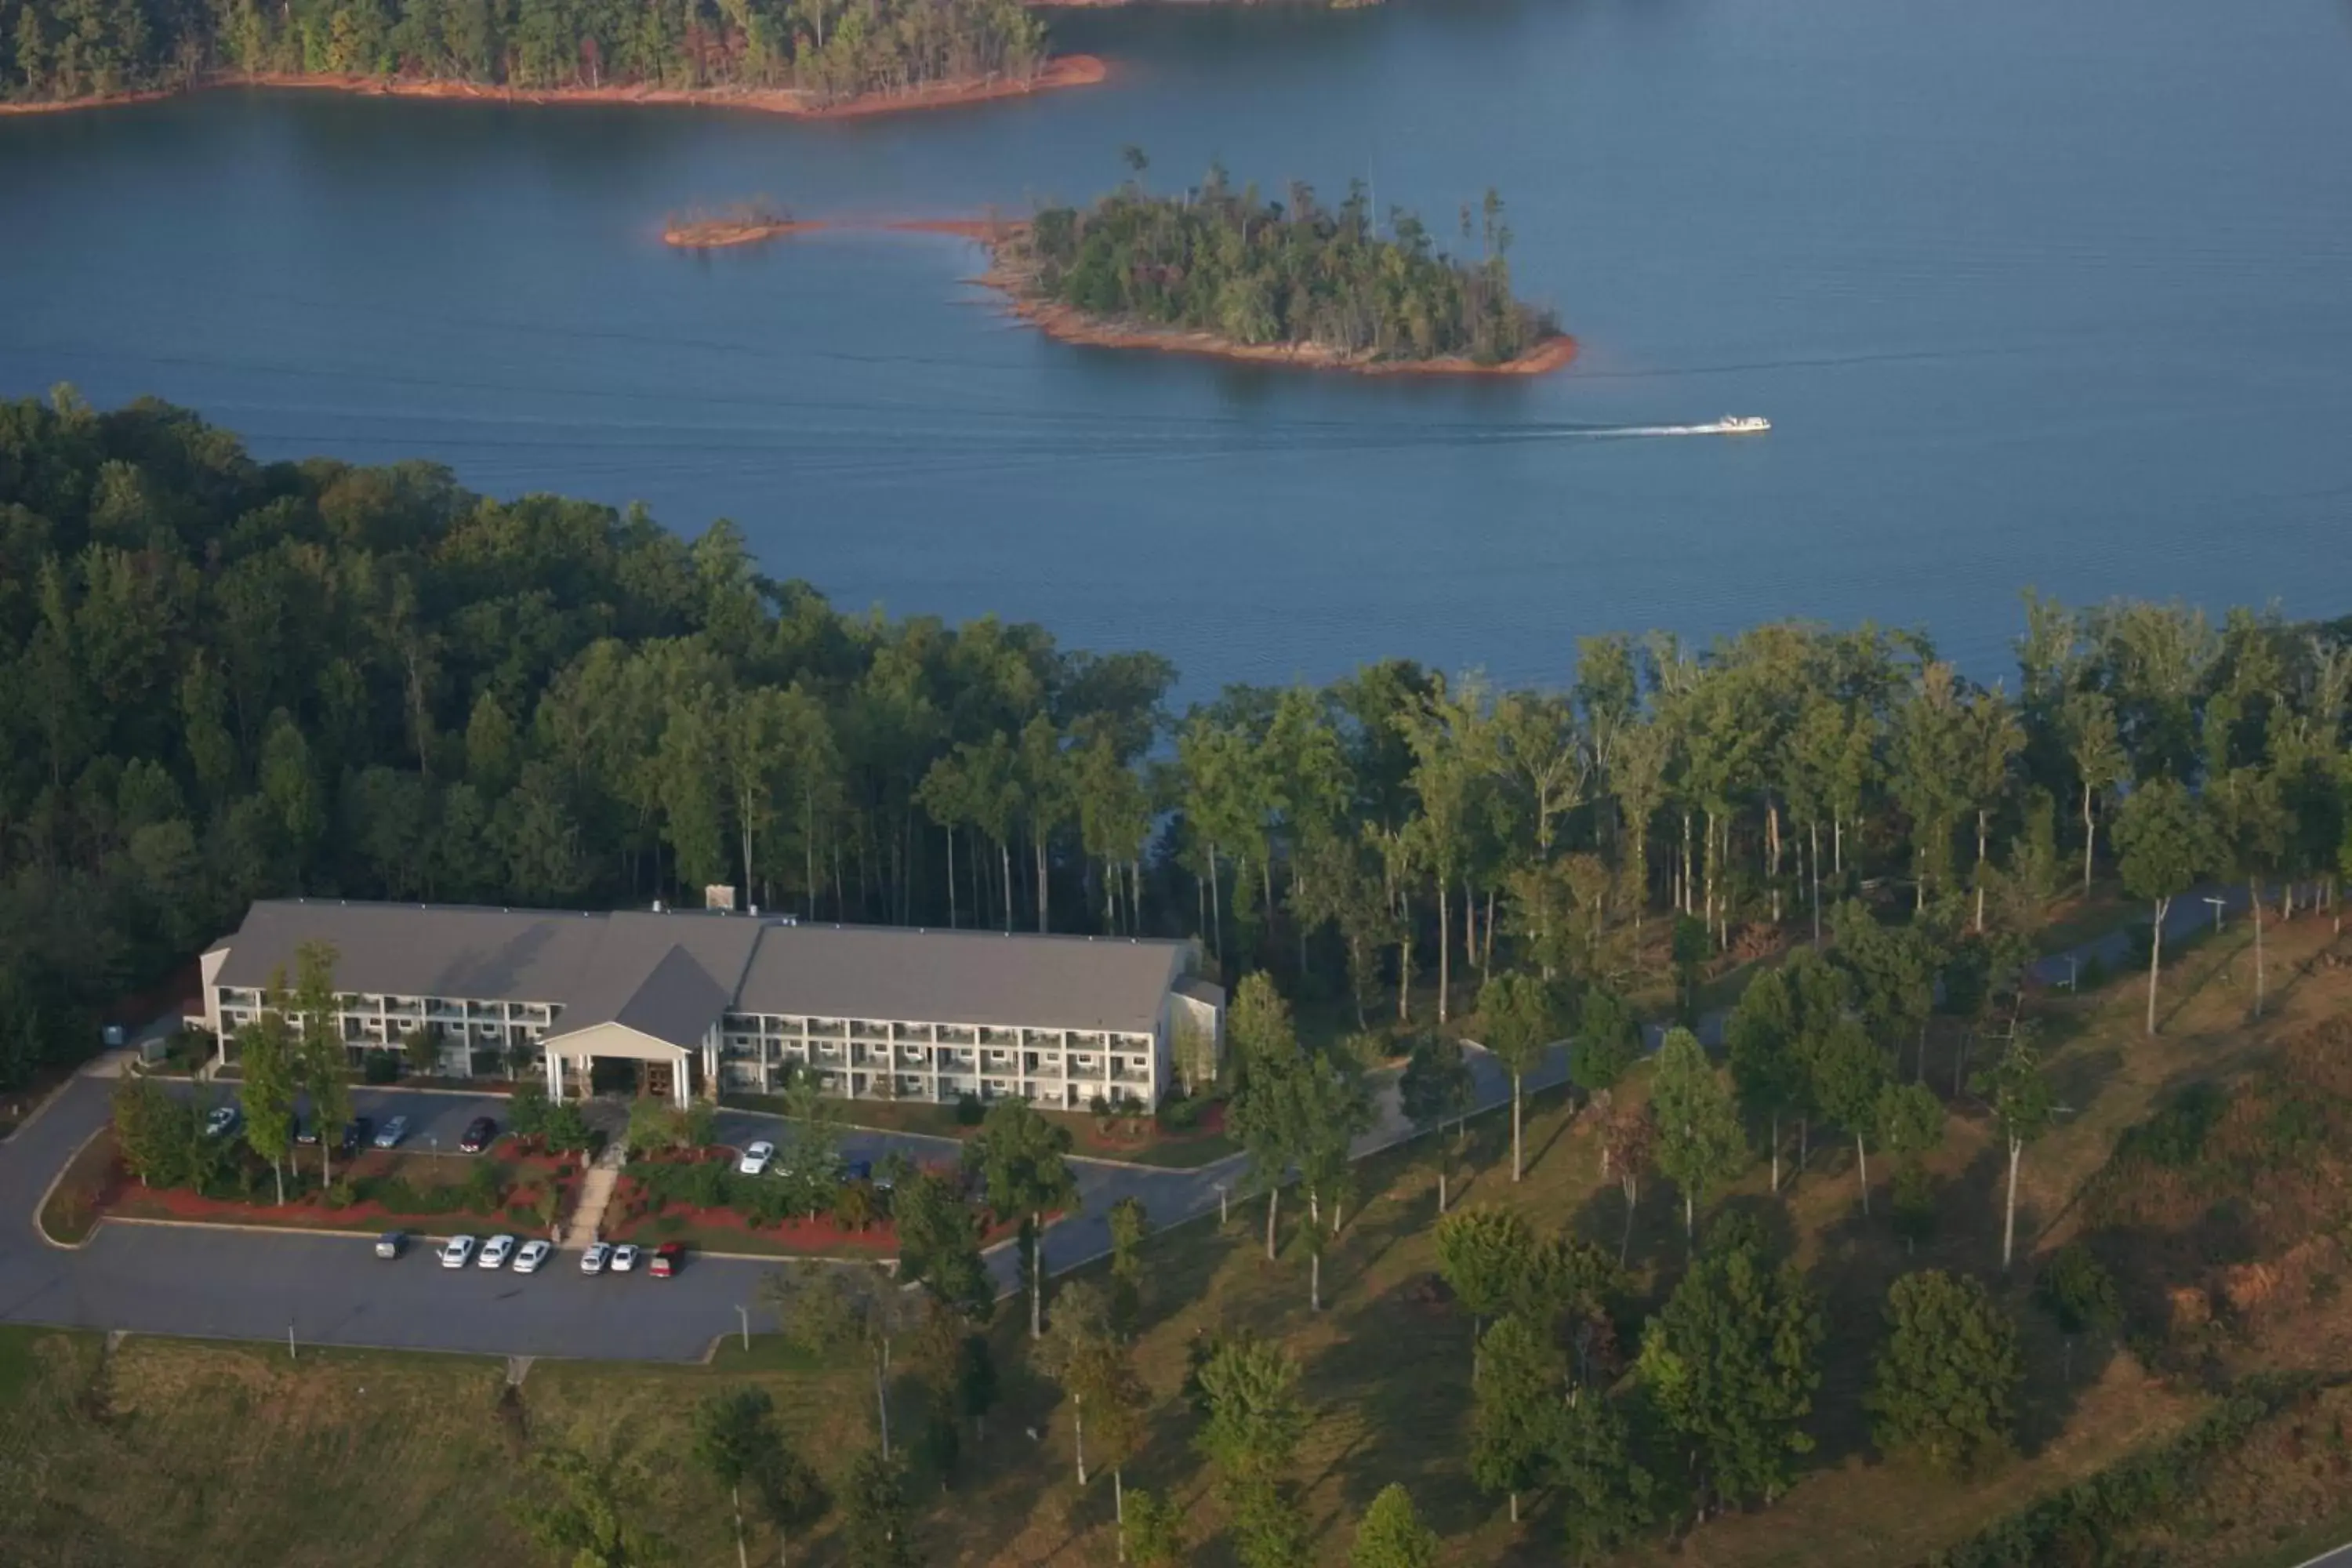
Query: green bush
(341,1194)
(2175,1135)
(2092,1520)
(970,1111)
(380,1067)
(1180,1115)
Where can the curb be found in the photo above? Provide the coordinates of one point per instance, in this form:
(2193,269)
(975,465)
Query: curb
(58,1181)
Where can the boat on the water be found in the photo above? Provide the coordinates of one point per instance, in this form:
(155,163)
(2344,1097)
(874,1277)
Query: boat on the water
(1743,424)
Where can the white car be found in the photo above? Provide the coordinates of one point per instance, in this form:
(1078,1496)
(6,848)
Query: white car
(495,1251)
(593,1261)
(625,1258)
(456,1252)
(533,1255)
(222,1121)
(756,1157)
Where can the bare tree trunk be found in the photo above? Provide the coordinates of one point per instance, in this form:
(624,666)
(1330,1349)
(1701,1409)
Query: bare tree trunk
(2155,957)
(2009,1219)
(1044,897)
(1217,918)
(2254,894)
(1486,945)
(1837,844)
(1273,1202)
(953,921)
(1814,861)
(1776,1152)
(1514,1126)
(1445,949)
(1981,870)
(1079,1432)
(1862,1164)
(1315,1280)
(882,1396)
(742,1549)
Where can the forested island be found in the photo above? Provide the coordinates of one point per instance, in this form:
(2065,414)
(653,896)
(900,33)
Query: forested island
(789,55)
(1229,273)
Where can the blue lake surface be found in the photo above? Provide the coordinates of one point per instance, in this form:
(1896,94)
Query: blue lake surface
(2057,294)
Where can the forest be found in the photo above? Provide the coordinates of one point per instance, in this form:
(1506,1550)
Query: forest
(226,678)
(1256,271)
(831,50)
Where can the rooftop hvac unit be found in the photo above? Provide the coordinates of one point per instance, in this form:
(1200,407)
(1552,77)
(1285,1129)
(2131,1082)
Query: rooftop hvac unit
(718,896)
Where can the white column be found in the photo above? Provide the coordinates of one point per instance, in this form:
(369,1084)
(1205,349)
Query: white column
(678,1084)
(555,1076)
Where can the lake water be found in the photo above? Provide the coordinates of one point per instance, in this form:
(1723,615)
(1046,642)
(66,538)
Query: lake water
(2058,294)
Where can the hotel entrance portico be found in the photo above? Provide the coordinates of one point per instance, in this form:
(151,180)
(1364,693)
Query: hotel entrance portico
(663,1069)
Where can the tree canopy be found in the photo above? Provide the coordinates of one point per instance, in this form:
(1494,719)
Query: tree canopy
(1257,271)
(829,48)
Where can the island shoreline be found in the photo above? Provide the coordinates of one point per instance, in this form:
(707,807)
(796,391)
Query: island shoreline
(1068,324)
(1060,71)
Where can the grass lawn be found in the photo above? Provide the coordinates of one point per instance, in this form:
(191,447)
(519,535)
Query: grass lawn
(369,1461)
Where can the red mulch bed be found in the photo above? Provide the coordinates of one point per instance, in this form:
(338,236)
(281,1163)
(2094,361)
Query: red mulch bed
(122,1194)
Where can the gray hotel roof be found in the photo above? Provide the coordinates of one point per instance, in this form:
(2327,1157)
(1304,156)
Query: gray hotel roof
(671,975)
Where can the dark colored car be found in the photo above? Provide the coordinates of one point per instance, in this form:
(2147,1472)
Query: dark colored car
(356,1135)
(306,1130)
(478,1135)
(669,1258)
(858,1171)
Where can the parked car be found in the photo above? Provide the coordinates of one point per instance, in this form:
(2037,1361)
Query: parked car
(756,1158)
(456,1251)
(222,1121)
(391,1244)
(593,1261)
(478,1135)
(624,1259)
(497,1250)
(306,1133)
(389,1135)
(355,1134)
(858,1171)
(534,1253)
(669,1258)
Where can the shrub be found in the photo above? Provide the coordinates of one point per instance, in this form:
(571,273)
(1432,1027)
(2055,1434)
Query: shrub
(528,1109)
(380,1067)
(1914,1204)
(2076,1289)
(339,1193)
(1180,1115)
(970,1111)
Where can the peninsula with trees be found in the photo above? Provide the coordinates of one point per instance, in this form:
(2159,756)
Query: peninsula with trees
(1229,273)
(808,57)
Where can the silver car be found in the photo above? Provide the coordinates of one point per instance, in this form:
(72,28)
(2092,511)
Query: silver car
(593,1261)
(495,1251)
(456,1251)
(534,1253)
(389,1135)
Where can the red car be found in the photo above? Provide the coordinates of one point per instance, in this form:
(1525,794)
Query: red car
(669,1258)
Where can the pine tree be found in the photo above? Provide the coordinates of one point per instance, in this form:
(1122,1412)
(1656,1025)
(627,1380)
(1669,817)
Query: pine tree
(1945,1385)
(1391,1535)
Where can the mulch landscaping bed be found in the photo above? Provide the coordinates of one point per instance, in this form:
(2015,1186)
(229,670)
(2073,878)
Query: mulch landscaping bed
(529,1173)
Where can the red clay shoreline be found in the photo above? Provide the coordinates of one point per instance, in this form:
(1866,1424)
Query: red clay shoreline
(1061,71)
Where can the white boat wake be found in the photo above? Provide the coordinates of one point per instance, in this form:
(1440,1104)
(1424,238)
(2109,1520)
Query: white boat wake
(1729,424)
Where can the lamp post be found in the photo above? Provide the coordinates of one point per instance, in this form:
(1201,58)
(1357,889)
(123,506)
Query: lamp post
(2217,904)
(744,1313)
(1222,1220)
